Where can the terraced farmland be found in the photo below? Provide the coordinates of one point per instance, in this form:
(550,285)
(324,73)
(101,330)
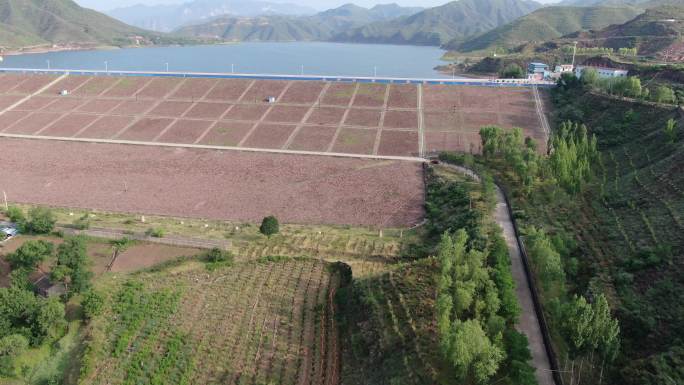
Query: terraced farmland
(253,323)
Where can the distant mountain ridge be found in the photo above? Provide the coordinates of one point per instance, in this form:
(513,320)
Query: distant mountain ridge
(35,22)
(546,24)
(165,18)
(437,26)
(388,23)
(322,26)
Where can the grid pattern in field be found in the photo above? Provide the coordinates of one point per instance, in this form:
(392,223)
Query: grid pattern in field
(256,323)
(359,118)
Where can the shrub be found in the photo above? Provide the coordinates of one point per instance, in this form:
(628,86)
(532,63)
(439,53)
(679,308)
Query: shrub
(216,255)
(155,232)
(269,226)
(15,214)
(40,220)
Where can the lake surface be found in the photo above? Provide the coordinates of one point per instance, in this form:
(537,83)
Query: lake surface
(251,58)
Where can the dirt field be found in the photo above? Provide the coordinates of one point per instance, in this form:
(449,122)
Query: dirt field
(450,114)
(213,184)
(146,255)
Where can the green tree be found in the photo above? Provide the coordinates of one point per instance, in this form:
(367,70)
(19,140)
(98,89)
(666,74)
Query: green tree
(545,257)
(513,71)
(30,254)
(590,77)
(73,266)
(11,346)
(671,130)
(92,304)
(473,353)
(519,357)
(664,94)
(269,226)
(40,220)
(49,319)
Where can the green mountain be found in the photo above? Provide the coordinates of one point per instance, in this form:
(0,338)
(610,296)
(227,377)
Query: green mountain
(617,3)
(265,28)
(651,33)
(545,24)
(436,26)
(28,22)
(322,26)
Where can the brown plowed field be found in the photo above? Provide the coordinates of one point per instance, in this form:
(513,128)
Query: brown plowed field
(286,114)
(69,125)
(313,138)
(263,89)
(213,184)
(106,127)
(204,110)
(339,94)
(458,110)
(33,84)
(355,141)
(11,118)
(145,129)
(303,92)
(171,109)
(33,123)
(185,131)
(34,103)
(326,115)
(64,104)
(403,96)
(7,100)
(229,90)
(127,87)
(363,117)
(193,89)
(269,135)
(69,84)
(147,255)
(227,133)
(99,106)
(401,119)
(370,95)
(398,143)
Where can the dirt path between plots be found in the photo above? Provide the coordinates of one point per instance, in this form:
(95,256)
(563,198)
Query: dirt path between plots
(528,323)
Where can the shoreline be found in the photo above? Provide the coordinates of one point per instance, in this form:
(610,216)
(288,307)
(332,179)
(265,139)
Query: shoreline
(29,50)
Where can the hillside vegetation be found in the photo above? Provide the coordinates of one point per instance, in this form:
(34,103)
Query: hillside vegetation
(437,26)
(603,218)
(28,22)
(319,27)
(381,24)
(545,24)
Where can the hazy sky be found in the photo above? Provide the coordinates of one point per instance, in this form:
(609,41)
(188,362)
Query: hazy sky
(103,5)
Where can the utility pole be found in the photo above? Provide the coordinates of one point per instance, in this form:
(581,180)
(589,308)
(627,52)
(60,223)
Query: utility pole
(232,68)
(167,67)
(106,66)
(4,194)
(302,69)
(48,63)
(574,52)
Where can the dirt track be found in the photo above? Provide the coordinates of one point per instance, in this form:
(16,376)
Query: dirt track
(212,184)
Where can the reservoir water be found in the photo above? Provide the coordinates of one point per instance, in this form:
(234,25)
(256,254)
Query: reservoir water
(251,58)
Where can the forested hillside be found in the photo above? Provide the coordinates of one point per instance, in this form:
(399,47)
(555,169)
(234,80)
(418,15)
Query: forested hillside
(27,22)
(545,24)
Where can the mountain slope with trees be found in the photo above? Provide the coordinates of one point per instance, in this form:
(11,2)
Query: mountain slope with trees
(544,24)
(437,26)
(322,26)
(26,22)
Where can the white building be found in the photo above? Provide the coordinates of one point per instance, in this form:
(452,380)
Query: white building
(603,72)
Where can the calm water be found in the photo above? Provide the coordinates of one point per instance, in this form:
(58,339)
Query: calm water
(263,58)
